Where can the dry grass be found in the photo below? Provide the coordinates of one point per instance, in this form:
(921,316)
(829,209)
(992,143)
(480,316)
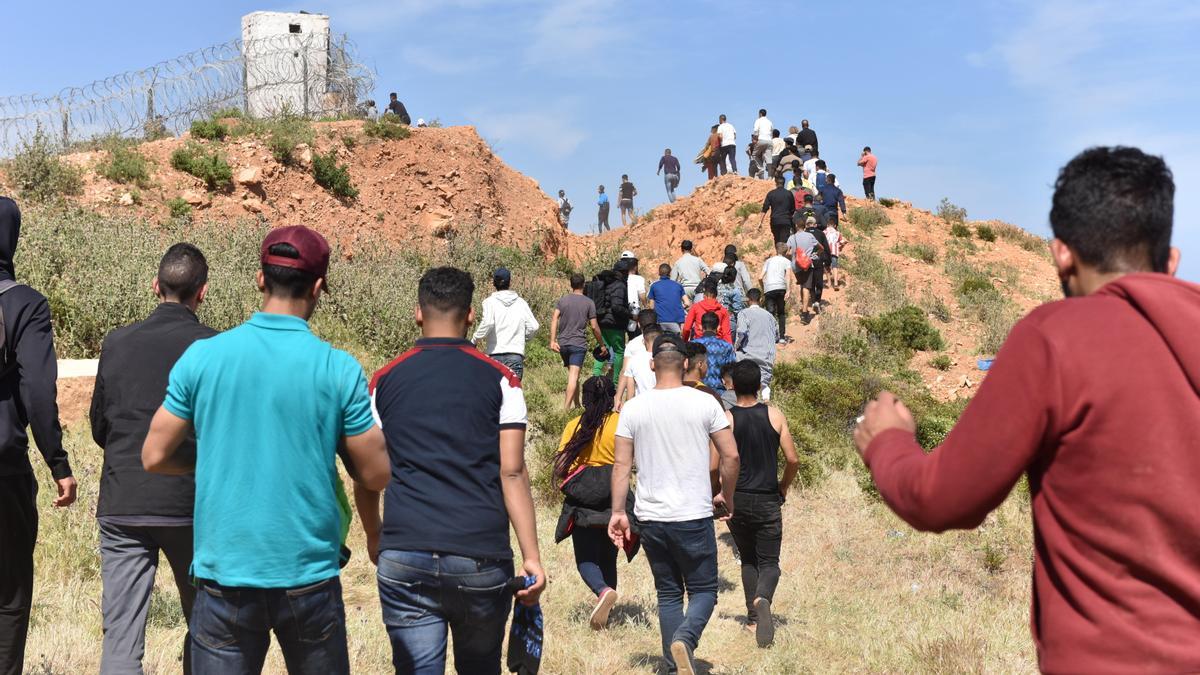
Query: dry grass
(860,592)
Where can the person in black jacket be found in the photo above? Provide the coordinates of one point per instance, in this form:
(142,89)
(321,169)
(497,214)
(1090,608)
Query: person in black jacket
(807,137)
(28,399)
(610,293)
(395,107)
(141,513)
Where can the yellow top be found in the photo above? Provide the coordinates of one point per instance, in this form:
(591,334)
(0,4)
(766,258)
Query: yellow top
(602,451)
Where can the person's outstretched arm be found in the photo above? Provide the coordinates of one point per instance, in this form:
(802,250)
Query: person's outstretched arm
(994,442)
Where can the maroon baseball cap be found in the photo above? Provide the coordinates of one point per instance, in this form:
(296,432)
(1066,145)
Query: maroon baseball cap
(312,247)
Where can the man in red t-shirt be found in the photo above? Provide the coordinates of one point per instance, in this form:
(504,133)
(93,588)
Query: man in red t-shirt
(1095,398)
(868,162)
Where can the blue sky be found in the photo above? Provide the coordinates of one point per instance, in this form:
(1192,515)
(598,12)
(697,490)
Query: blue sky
(980,102)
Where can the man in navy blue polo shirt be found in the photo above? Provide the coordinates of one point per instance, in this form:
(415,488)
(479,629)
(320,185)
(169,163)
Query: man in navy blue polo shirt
(454,421)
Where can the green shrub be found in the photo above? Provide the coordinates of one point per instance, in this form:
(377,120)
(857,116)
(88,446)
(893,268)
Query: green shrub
(39,174)
(349,141)
(903,329)
(923,252)
(179,208)
(937,308)
(286,133)
(868,219)
(208,166)
(229,113)
(941,362)
(960,230)
(888,202)
(977,294)
(910,218)
(950,212)
(333,176)
(748,209)
(389,127)
(1025,240)
(124,164)
(985,232)
(209,130)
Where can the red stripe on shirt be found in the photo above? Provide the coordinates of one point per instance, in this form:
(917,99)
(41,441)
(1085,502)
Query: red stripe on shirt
(504,371)
(395,362)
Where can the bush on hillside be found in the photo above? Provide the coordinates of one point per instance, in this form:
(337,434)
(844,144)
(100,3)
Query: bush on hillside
(39,174)
(388,127)
(286,133)
(950,212)
(209,130)
(903,329)
(941,362)
(888,202)
(209,166)
(923,252)
(748,209)
(333,176)
(985,232)
(229,113)
(1025,240)
(960,230)
(868,219)
(126,165)
(979,296)
(179,208)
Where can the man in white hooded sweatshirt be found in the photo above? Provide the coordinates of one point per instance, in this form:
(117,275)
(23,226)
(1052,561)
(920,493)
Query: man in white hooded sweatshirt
(507,323)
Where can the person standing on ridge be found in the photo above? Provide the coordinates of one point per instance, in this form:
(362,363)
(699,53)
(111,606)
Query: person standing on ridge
(564,209)
(602,217)
(507,324)
(395,107)
(573,314)
(670,164)
(270,399)
(778,145)
(141,514)
(456,487)
(868,162)
(807,137)
(667,431)
(1110,460)
(689,270)
(761,433)
(728,145)
(714,159)
(627,193)
(28,382)
(762,143)
(780,203)
(668,299)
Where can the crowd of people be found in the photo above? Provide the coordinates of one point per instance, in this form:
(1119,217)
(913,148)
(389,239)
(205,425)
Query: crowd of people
(220,449)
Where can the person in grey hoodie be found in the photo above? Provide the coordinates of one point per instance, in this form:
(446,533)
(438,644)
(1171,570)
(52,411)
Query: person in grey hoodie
(507,323)
(689,270)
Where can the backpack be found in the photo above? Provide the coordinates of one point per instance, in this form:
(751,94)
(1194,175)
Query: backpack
(8,358)
(596,291)
(566,207)
(802,261)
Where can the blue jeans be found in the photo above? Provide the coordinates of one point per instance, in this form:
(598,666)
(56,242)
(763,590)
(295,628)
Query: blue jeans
(683,557)
(231,628)
(514,362)
(422,593)
(595,558)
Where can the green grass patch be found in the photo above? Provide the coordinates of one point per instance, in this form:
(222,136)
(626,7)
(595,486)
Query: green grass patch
(902,329)
(888,202)
(124,164)
(923,252)
(333,176)
(388,127)
(960,230)
(209,130)
(39,174)
(985,233)
(951,212)
(748,209)
(178,208)
(941,362)
(868,219)
(209,166)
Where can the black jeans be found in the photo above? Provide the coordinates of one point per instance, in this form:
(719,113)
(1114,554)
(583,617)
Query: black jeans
(869,188)
(757,529)
(775,302)
(18,534)
(595,558)
(602,223)
(781,232)
(728,153)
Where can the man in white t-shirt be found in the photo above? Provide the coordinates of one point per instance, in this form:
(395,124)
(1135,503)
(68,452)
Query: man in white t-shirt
(728,146)
(762,143)
(639,375)
(667,431)
(635,285)
(775,280)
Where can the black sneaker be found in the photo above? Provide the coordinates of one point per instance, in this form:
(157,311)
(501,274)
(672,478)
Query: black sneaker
(764,630)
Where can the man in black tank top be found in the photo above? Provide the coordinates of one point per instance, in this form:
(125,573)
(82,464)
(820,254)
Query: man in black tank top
(757,525)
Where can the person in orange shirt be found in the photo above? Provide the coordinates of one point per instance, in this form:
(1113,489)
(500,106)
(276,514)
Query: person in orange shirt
(691,325)
(868,162)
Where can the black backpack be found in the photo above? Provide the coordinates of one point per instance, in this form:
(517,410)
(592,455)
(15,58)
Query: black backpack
(8,358)
(596,291)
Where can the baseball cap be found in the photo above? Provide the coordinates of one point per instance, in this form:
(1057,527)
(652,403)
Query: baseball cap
(669,342)
(502,274)
(628,255)
(312,247)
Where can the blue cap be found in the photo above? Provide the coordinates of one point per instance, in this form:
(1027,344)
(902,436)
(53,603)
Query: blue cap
(502,274)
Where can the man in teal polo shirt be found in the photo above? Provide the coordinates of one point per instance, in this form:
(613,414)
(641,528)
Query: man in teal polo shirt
(269,403)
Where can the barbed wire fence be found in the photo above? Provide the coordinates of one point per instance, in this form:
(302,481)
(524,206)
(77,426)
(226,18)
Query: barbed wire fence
(312,75)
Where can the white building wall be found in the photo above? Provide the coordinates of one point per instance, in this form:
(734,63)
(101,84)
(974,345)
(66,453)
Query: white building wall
(287,62)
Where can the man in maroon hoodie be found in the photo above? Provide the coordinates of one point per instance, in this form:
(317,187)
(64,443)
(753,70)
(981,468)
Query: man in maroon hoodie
(1097,399)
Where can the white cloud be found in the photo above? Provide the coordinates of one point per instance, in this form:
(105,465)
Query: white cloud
(438,62)
(571,30)
(550,131)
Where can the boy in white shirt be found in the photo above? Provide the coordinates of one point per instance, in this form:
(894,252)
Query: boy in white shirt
(836,242)
(638,376)
(775,279)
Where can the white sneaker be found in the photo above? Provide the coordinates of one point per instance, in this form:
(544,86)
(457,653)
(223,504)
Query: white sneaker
(604,604)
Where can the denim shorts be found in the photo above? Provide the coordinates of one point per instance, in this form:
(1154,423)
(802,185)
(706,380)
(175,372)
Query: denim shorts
(833,262)
(572,356)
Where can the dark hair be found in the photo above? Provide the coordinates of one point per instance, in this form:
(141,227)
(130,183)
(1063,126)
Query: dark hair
(664,270)
(774,133)
(652,329)
(287,282)
(789,141)
(695,350)
(779,181)
(710,321)
(624,176)
(754,295)
(646,317)
(730,248)
(577,281)
(866,148)
(670,358)
(686,245)
(762,112)
(829,177)
(722,118)
(729,274)
(501,284)
(392,94)
(821,164)
(707,287)
(746,376)
(598,395)
(804,123)
(730,258)
(714,127)
(446,290)
(1113,206)
(182,272)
